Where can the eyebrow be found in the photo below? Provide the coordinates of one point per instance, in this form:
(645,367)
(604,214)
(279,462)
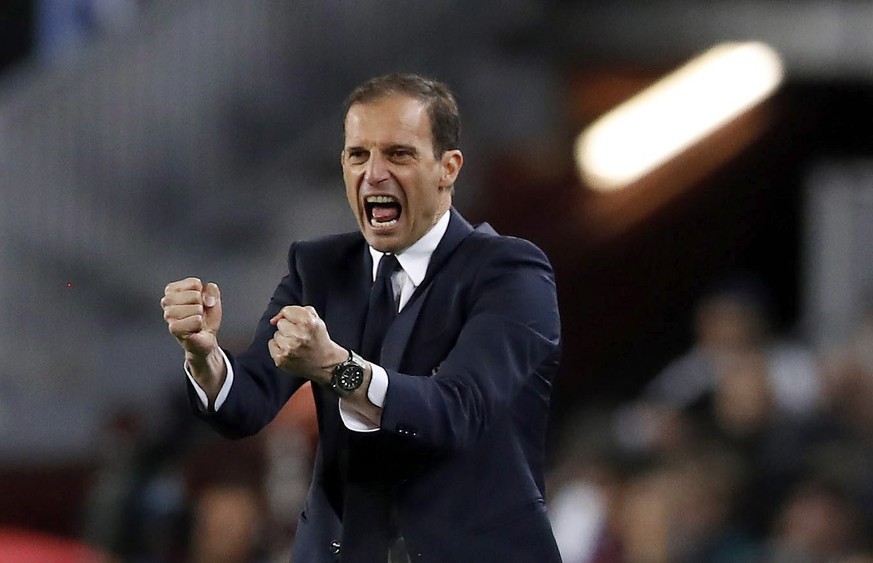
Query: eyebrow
(401,146)
(388,148)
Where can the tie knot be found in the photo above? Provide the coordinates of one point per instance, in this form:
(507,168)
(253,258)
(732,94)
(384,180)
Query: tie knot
(388,264)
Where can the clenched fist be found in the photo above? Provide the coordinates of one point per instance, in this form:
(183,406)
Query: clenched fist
(193,314)
(302,345)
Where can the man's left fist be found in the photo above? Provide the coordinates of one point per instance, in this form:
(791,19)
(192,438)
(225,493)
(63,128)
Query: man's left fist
(302,345)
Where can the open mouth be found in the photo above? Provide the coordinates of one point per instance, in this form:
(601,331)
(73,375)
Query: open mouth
(382,211)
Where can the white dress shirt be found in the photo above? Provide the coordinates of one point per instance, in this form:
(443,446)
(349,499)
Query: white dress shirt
(413,267)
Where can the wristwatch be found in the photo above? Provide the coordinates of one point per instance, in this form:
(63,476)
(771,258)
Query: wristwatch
(348,375)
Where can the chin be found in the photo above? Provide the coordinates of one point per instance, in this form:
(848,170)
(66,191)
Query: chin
(380,243)
(383,246)
(384,242)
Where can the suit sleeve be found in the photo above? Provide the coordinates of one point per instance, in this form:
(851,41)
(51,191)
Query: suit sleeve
(511,332)
(259,389)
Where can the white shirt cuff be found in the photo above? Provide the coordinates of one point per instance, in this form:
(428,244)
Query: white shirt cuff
(351,418)
(222,393)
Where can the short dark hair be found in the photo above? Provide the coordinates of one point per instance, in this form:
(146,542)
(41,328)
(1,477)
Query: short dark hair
(442,108)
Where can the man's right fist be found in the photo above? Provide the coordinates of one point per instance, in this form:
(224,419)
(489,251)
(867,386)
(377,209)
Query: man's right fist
(193,314)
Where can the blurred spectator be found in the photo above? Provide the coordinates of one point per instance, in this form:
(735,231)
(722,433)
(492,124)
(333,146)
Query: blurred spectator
(225,497)
(586,490)
(180,493)
(108,514)
(227,525)
(843,451)
(743,402)
(609,507)
(136,506)
(818,522)
(734,318)
(681,510)
(290,442)
(848,378)
(739,380)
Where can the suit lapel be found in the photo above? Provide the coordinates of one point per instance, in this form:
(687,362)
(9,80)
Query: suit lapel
(456,232)
(398,334)
(348,300)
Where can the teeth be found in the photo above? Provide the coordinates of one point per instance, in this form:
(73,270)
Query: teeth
(372,202)
(377,225)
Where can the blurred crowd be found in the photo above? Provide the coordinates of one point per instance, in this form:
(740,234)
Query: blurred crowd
(181,493)
(749,447)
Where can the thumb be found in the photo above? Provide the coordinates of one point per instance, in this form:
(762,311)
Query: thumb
(211,295)
(211,307)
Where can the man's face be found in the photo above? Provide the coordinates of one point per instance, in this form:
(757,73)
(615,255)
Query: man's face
(396,187)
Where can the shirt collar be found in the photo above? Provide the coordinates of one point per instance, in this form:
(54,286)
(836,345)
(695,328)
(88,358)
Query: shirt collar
(414,260)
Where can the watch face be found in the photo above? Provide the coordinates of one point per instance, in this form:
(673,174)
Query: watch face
(350,377)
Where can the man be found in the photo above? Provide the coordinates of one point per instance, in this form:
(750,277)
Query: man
(431,431)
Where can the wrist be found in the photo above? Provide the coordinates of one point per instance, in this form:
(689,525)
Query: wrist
(208,369)
(336,356)
(197,360)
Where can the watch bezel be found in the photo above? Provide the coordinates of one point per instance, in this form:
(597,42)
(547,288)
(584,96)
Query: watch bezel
(348,376)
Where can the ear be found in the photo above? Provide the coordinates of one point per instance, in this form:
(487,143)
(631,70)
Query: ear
(342,157)
(451,164)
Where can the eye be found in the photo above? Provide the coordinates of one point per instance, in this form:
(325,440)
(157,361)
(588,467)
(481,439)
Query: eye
(357,156)
(401,155)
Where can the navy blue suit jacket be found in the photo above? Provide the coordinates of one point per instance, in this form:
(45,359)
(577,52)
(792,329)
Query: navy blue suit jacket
(459,457)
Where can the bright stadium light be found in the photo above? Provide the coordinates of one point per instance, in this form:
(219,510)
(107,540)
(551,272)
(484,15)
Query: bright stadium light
(674,113)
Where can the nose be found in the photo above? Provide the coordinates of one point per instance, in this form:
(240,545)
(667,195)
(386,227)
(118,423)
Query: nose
(377,170)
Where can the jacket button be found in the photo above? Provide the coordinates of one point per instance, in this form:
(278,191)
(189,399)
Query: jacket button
(335,547)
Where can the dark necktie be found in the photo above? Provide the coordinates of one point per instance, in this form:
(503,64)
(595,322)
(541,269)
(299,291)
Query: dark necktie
(382,309)
(371,530)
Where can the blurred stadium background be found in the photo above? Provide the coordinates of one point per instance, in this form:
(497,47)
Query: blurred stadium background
(146,140)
